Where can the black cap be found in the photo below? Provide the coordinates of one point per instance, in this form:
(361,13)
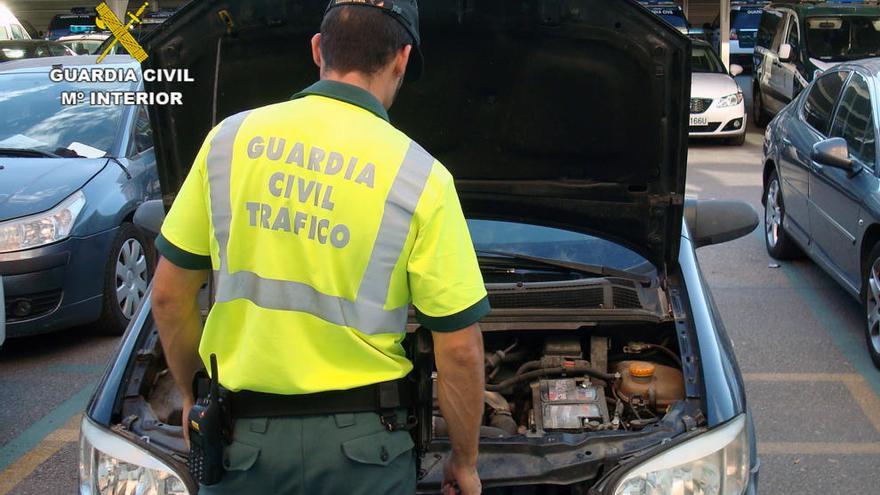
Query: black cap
(406,12)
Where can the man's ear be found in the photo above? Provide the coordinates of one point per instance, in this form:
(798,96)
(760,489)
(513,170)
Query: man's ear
(316,50)
(401,59)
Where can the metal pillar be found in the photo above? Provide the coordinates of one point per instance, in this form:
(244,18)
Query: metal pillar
(119,7)
(724,35)
(684,7)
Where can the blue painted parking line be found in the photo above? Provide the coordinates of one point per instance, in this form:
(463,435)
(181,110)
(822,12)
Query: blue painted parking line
(35,433)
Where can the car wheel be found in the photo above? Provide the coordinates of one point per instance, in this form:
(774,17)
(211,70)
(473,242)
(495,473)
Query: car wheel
(759,113)
(871,304)
(737,140)
(779,245)
(127,273)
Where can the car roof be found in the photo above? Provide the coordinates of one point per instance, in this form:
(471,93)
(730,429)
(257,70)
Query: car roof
(47,63)
(90,36)
(829,8)
(870,65)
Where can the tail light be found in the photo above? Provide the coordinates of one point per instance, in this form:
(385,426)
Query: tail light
(733,34)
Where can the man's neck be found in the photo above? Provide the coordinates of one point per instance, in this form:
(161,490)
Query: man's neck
(357,79)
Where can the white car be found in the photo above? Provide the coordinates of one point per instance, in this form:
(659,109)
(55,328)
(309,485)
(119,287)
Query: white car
(717,108)
(10,28)
(84,44)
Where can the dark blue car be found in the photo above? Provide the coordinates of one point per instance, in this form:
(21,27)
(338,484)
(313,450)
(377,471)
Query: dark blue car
(579,230)
(821,186)
(71,177)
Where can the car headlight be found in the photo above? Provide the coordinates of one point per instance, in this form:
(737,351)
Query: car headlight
(110,464)
(730,100)
(714,463)
(42,228)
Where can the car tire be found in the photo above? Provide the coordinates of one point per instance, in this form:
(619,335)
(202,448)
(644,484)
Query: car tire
(759,113)
(737,140)
(779,245)
(126,276)
(871,303)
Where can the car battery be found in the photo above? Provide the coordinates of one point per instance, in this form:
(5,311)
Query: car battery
(568,404)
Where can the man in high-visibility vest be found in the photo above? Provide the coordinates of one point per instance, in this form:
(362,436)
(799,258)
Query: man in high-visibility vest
(321,223)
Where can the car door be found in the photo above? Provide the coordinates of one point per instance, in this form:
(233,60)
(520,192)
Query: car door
(783,81)
(767,70)
(835,194)
(142,157)
(807,125)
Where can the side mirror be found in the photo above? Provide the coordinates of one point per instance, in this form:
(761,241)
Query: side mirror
(715,221)
(736,69)
(149,217)
(834,153)
(785,53)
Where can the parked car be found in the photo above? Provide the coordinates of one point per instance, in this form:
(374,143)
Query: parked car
(797,41)
(10,27)
(744,21)
(71,177)
(672,13)
(78,21)
(84,44)
(22,49)
(717,108)
(821,184)
(588,254)
(150,23)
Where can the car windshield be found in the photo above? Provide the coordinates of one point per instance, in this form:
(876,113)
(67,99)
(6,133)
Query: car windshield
(73,20)
(745,18)
(83,47)
(704,60)
(834,39)
(32,116)
(555,244)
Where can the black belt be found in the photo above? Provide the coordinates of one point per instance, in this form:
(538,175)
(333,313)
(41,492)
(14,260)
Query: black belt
(376,397)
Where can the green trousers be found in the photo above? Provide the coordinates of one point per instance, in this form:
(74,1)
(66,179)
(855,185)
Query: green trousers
(334,454)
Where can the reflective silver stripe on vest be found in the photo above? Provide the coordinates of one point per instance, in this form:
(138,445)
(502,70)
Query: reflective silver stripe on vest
(366,314)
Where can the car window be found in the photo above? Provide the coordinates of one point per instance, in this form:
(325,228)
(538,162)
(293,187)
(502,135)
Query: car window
(3,34)
(819,104)
(142,132)
(745,18)
(57,51)
(771,22)
(17,32)
(835,39)
(854,121)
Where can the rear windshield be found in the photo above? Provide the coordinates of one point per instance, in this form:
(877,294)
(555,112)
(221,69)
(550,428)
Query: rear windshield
(745,18)
(834,39)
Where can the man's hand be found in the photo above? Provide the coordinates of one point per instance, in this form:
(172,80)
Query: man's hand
(463,477)
(460,390)
(178,317)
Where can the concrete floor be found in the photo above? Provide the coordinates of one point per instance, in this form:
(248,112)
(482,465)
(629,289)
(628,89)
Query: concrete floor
(798,337)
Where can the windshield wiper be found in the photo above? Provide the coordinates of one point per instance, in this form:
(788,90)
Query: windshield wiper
(27,153)
(573,266)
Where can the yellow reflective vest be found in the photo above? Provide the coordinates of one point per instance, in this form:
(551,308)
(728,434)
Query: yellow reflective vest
(321,223)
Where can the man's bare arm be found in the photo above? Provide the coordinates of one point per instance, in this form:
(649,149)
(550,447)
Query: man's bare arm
(178,317)
(460,389)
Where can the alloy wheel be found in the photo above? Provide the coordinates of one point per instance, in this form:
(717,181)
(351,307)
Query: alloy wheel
(131,276)
(873,306)
(772,214)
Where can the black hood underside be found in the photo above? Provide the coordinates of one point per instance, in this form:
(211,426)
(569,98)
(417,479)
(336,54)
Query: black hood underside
(564,113)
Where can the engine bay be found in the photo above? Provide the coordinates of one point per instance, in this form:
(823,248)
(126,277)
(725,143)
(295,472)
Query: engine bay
(541,383)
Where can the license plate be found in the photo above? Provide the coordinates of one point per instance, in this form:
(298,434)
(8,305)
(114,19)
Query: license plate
(698,121)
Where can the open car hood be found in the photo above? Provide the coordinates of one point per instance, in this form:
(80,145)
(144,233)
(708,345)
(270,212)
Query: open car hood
(570,114)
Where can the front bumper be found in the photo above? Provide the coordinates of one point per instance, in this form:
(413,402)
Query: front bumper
(56,286)
(721,122)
